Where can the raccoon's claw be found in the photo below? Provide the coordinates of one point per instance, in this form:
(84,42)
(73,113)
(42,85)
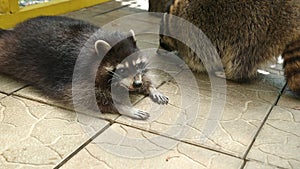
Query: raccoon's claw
(220,75)
(140,115)
(159,98)
(132,112)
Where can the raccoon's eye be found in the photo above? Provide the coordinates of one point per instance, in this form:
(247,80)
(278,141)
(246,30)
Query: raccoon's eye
(121,71)
(140,66)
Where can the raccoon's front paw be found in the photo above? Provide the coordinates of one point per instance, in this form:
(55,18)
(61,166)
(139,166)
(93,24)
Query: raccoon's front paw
(159,98)
(132,112)
(140,115)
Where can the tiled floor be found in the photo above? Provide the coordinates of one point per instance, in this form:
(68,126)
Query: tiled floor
(257,126)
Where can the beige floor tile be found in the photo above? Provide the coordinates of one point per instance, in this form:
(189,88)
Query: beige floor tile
(2,96)
(232,131)
(258,165)
(89,13)
(151,38)
(116,147)
(290,100)
(119,13)
(9,85)
(278,143)
(164,120)
(146,45)
(101,17)
(104,7)
(127,18)
(141,23)
(109,17)
(34,94)
(35,134)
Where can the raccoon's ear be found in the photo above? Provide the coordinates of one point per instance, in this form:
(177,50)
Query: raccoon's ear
(132,34)
(165,17)
(102,47)
(109,68)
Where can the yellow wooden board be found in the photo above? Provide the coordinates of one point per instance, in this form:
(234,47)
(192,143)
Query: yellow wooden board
(12,14)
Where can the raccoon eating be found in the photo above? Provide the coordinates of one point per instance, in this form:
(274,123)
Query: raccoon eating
(247,35)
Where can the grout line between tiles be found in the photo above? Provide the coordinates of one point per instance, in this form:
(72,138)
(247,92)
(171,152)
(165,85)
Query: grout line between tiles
(182,141)
(263,122)
(246,161)
(244,164)
(3,93)
(12,92)
(61,107)
(82,146)
(111,10)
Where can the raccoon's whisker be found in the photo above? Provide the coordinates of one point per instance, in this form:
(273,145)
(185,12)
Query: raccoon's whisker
(110,71)
(113,80)
(114,84)
(146,65)
(116,78)
(110,80)
(114,74)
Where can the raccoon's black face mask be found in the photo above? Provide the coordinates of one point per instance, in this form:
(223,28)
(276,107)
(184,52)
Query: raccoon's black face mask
(123,62)
(130,72)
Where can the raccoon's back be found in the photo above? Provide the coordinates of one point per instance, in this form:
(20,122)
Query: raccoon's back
(246,33)
(266,26)
(58,38)
(44,50)
(292,66)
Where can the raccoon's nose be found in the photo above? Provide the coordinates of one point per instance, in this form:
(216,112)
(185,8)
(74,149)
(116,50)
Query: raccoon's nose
(137,84)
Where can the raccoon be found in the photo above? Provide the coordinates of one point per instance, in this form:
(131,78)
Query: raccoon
(44,50)
(246,34)
(1,31)
(159,5)
(291,56)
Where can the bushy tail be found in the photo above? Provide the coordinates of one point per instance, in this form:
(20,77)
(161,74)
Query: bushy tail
(291,64)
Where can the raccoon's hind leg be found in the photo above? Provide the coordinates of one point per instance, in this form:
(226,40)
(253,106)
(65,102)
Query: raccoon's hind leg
(239,66)
(291,56)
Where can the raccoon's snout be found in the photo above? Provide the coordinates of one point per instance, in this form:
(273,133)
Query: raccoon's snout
(137,84)
(137,81)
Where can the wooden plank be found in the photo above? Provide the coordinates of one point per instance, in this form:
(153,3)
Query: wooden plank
(4,6)
(13,6)
(50,8)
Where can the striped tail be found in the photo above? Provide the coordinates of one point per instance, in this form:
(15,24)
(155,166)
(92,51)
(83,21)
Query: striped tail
(291,65)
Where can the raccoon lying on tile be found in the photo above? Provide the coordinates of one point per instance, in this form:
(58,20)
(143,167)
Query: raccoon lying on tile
(43,51)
